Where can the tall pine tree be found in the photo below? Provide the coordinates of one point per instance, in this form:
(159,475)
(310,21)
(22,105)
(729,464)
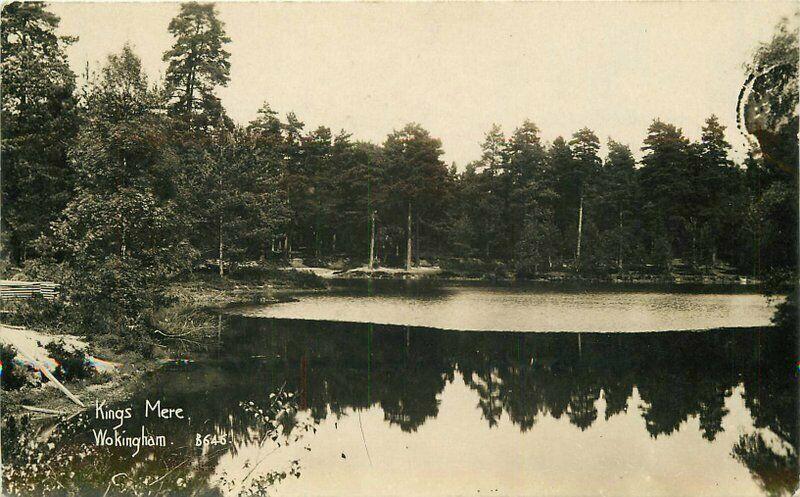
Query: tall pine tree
(197,64)
(40,118)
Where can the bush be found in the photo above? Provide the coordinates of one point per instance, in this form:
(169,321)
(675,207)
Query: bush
(72,363)
(266,274)
(184,321)
(473,268)
(785,316)
(776,284)
(303,279)
(38,313)
(251,273)
(13,375)
(526,268)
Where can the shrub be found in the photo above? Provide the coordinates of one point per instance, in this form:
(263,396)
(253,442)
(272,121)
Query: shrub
(785,316)
(264,274)
(303,279)
(474,268)
(13,375)
(72,363)
(38,313)
(782,282)
(180,321)
(526,268)
(251,273)
(115,296)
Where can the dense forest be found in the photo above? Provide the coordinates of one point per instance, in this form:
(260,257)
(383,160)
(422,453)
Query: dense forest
(112,183)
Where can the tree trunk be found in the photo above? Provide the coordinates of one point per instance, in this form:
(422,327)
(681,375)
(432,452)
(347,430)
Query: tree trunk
(220,260)
(190,92)
(416,243)
(580,231)
(408,240)
(619,253)
(123,250)
(372,243)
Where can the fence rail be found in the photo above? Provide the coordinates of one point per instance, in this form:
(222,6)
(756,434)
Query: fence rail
(10,290)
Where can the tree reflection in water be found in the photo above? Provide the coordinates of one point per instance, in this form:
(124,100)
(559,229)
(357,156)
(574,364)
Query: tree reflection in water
(334,368)
(525,376)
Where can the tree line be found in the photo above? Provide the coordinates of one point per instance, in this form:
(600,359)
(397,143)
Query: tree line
(122,182)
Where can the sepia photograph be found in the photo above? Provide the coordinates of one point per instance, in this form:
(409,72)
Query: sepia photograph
(399,249)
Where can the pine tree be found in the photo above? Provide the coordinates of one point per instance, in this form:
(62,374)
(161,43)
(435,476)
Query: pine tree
(490,194)
(617,212)
(561,165)
(242,207)
(40,118)
(585,146)
(717,186)
(666,187)
(198,64)
(528,215)
(416,180)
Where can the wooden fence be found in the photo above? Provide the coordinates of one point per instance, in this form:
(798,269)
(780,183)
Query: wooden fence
(27,289)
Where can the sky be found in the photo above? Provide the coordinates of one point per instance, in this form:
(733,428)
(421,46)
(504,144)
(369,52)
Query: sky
(456,68)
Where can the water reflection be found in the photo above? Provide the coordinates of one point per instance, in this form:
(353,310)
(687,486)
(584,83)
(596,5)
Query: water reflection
(528,377)
(742,381)
(528,307)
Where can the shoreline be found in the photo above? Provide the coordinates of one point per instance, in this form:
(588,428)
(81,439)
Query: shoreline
(436,273)
(219,296)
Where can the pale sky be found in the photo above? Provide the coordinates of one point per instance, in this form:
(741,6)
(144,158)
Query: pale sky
(456,68)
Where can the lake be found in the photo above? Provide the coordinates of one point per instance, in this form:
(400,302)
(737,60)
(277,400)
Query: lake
(412,403)
(529,307)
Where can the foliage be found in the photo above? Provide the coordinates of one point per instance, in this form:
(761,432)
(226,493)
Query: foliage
(268,274)
(119,237)
(12,375)
(473,268)
(769,113)
(72,362)
(40,119)
(237,198)
(786,313)
(38,313)
(415,187)
(271,417)
(66,461)
(197,64)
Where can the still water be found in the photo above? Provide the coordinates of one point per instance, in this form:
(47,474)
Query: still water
(530,307)
(406,410)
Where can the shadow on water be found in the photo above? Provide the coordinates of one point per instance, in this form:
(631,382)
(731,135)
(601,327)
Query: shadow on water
(334,368)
